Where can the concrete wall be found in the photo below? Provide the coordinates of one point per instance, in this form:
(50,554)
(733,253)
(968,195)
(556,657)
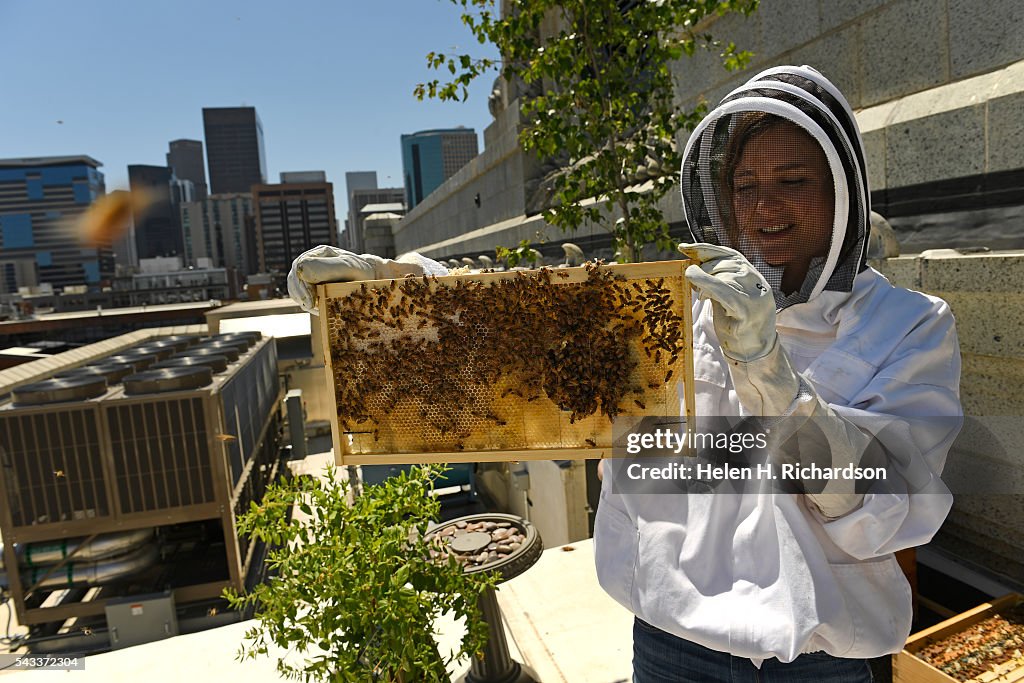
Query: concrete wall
(938,86)
(986,466)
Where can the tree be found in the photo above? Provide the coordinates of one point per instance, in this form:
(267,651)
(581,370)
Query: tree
(358,581)
(600,107)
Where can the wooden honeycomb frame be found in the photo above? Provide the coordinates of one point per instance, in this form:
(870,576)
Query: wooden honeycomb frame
(523,365)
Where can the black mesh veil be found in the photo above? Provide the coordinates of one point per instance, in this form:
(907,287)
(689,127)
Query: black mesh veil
(777,172)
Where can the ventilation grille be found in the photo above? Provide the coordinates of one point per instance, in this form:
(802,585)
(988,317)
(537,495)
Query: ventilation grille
(53,466)
(248,398)
(161,454)
(255,484)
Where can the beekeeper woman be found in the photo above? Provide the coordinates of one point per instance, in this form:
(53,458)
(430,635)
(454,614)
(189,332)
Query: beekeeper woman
(791,323)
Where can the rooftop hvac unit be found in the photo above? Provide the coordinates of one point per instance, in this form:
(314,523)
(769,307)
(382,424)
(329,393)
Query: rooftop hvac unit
(100,450)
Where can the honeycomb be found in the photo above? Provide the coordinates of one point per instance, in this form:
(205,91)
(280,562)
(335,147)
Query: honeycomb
(493,366)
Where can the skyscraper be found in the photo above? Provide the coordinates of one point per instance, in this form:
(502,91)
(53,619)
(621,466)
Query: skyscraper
(185,158)
(215,228)
(430,157)
(291,218)
(158,228)
(234,149)
(40,198)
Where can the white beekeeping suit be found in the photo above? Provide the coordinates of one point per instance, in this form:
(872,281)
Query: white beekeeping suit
(793,326)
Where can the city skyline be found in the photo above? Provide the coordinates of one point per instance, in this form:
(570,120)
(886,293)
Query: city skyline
(332,94)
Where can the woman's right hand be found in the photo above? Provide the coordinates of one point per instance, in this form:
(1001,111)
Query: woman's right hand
(330,264)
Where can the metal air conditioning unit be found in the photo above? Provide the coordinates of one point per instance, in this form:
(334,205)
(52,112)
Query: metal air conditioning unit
(166,437)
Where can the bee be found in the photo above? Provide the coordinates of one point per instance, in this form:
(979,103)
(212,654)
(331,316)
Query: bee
(640,405)
(110,215)
(668,376)
(591,443)
(562,274)
(59,474)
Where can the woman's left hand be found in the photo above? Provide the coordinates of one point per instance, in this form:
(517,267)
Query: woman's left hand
(742,301)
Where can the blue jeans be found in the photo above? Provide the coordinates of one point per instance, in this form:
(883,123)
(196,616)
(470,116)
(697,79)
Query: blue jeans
(660,657)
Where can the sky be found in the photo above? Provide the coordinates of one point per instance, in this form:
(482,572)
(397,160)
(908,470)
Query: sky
(331,80)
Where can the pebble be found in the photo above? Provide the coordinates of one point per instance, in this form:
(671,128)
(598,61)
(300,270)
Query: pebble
(461,524)
(504,525)
(503,549)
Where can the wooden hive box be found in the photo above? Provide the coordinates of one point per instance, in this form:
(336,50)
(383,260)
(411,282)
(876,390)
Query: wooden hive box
(909,665)
(504,366)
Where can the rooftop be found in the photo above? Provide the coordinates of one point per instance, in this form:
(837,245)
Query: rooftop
(30,162)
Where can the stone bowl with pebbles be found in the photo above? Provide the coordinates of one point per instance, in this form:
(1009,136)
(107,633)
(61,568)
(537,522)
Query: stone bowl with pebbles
(488,542)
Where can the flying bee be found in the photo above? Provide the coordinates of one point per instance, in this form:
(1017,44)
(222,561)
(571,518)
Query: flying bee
(109,216)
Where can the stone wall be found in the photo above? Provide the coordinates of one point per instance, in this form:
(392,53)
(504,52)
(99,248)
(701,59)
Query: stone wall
(986,467)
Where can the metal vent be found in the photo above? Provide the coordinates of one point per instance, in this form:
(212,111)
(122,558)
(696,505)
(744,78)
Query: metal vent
(155,349)
(186,339)
(230,352)
(160,454)
(114,372)
(250,338)
(248,397)
(167,379)
(59,390)
(138,361)
(53,465)
(241,344)
(216,363)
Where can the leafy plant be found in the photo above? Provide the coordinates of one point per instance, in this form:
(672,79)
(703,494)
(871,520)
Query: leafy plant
(355,587)
(598,99)
(513,256)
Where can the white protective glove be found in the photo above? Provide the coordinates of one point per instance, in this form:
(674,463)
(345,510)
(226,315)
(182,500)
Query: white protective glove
(743,311)
(330,264)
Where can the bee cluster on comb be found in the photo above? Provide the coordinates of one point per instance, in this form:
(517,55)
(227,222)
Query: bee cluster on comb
(503,366)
